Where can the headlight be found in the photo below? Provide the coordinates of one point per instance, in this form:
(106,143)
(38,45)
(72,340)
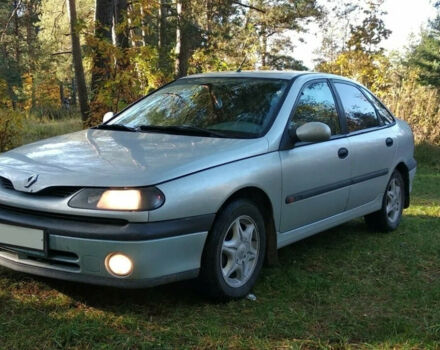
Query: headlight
(135,199)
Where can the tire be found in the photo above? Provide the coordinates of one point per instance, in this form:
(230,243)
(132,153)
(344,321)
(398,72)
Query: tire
(231,262)
(388,217)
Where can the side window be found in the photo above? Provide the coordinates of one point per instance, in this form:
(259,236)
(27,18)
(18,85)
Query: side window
(317,104)
(386,116)
(359,112)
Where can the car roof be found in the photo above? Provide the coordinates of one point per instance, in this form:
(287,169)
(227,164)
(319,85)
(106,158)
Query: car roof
(288,75)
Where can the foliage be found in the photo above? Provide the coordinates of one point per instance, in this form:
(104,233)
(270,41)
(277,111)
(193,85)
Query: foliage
(415,103)
(35,129)
(394,78)
(143,44)
(11,125)
(369,34)
(426,55)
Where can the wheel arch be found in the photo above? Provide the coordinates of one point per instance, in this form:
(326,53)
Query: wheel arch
(404,171)
(264,203)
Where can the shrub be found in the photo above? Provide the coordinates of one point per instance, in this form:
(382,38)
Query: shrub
(11,125)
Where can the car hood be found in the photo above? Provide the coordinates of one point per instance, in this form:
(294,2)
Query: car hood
(119,159)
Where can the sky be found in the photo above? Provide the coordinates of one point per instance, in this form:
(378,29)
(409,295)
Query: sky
(404,17)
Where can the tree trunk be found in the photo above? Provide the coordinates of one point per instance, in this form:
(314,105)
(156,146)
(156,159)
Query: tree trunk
(130,14)
(208,19)
(61,94)
(103,34)
(143,32)
(12,96)
(73,92)
(264,51)
(9,84)
(121,24)
(77,63)
(30,41)
(182,39)
(163,33)
(17,35)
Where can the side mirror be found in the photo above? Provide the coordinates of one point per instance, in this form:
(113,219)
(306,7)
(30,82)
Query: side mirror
(107,117)
(311,132)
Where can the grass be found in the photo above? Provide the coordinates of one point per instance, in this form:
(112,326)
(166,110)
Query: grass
(38,129)
(344,288)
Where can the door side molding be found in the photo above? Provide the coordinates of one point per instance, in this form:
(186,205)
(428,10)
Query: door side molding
(334,186)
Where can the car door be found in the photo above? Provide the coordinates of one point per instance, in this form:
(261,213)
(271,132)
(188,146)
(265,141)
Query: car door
(315,175)
(371,144)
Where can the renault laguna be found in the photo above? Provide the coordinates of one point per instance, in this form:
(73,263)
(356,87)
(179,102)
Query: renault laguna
(206,177)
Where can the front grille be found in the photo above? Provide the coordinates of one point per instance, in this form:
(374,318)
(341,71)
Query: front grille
(57,191)
(61,192)
(6,183)
(43,214)
(55,258)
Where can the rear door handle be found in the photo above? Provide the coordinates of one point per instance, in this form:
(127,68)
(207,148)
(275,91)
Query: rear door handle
(342,153)
(389,141)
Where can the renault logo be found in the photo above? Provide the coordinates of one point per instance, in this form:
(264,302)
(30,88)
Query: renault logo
(31,180)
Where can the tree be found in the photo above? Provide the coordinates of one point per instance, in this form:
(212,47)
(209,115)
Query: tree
(361,56)
(77,62)
(121,28)
(367,36)
(426,55)
(272,19)
(162,39)
(183,35)
(104,11)
(31,18)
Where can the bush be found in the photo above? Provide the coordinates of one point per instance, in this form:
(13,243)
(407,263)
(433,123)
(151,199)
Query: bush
(35,129)
(11,125)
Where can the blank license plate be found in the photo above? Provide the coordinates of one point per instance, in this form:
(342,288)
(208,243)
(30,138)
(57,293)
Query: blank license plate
(22,237)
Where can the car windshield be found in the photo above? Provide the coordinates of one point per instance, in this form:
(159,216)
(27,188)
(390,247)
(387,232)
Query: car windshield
(219,107)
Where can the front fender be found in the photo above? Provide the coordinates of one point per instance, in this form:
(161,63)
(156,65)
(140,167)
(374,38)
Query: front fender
(205,192)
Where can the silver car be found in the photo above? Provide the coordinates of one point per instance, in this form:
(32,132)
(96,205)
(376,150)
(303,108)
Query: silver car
(206,177)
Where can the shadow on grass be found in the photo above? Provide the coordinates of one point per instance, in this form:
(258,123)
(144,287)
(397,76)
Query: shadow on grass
(186,293)
(347,284)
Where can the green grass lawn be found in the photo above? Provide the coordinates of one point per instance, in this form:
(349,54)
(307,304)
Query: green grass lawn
(344,288)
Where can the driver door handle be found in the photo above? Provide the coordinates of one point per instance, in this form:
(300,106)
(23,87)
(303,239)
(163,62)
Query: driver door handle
(389,141)
(343,153)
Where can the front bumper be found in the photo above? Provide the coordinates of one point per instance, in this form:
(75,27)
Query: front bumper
(76,249)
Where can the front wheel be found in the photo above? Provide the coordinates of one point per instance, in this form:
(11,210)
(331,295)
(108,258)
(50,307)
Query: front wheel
(389,216)
(234,251)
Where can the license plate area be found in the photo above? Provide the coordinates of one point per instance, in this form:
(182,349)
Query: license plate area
(23,237)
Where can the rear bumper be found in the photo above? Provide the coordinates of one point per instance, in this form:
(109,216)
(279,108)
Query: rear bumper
(77,249)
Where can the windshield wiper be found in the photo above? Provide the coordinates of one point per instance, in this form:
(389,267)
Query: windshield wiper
(181,129)
(118,127)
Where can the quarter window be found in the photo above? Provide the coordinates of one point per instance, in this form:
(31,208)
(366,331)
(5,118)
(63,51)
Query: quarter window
(359,112)
(386,116)
(316,104)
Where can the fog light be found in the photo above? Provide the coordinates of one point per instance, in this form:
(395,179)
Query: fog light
(119,264)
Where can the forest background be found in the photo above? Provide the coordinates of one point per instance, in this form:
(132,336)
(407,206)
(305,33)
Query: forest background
(74,60)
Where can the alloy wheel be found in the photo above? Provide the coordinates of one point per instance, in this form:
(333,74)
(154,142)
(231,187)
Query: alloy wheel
(240,251)
(394,200)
